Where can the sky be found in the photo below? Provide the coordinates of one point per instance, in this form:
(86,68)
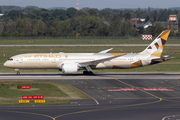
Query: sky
(100,4)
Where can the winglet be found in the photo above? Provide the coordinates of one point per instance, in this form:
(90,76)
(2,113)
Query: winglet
(105,51)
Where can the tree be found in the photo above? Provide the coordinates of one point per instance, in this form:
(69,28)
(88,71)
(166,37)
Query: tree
(60,14)
(155,29)
(93,11)
(103,14)
(102,31)
(45,15)
(147,18)
(81,13)
(30,8)
(71,12)
(13,14)
(85,8)
(127,16)
(31,15)
(155,15)
(163,15)
(117,25)
(127,26)
(140,30)
(52,31)
(149,9)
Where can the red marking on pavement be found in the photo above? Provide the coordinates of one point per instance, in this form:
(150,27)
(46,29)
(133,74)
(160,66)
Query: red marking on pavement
(123,89)
(157,89)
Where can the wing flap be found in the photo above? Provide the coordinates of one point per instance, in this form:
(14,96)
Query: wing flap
(95,62)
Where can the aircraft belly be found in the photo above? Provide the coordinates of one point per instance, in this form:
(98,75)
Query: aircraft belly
(114,65)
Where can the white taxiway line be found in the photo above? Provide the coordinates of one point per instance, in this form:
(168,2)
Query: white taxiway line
(89,96)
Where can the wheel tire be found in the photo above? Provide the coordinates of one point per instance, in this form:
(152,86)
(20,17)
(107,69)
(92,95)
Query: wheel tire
(88,73)
(85,72)
(91,73)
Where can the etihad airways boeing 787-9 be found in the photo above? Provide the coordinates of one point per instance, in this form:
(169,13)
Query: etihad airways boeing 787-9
(72,62)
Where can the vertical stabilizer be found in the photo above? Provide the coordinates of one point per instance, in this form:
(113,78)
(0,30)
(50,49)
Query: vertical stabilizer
(156,47)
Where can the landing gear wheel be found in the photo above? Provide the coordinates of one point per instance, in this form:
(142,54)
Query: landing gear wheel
(88,73)
(84,72)
(18,73)
(91,73)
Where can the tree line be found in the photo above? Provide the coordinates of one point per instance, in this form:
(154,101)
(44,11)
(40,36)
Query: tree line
(33,21)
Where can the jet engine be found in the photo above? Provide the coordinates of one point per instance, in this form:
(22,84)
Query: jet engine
(69,67)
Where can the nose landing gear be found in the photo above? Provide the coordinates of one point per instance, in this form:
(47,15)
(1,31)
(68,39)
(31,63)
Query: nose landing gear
(18,73)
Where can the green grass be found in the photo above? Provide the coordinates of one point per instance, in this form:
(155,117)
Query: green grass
(9,90)
(48,102)
(47,90)
(169,66)
(82,41)
(53,92)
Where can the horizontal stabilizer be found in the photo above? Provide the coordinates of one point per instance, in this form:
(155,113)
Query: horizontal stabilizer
(161,59)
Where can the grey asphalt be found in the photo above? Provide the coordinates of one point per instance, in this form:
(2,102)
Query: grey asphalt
(59,76)
(113,105)
(12,45)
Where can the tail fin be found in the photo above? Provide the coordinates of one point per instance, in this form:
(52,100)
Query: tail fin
(156,47)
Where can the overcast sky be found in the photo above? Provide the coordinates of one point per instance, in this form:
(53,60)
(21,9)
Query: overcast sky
(100,4)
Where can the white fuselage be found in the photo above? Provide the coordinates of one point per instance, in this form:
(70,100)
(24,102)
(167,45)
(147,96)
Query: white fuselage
(55,60)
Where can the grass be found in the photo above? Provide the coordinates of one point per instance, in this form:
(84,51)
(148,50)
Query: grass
(81,41)
(53,92)
(169,66)
(48,102)
(48,90)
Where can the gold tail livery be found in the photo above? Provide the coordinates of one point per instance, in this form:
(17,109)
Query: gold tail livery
(72,62)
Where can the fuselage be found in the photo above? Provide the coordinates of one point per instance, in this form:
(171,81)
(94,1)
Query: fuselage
(55,60)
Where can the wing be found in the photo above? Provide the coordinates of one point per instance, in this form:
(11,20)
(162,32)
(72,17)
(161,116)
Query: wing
(95,62)
(105,51)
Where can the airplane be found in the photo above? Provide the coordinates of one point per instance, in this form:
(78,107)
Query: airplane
(70,63)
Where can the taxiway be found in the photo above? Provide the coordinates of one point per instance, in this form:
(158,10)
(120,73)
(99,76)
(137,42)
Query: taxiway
(114,94)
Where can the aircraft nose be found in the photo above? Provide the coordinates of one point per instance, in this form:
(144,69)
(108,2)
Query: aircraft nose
(6,64)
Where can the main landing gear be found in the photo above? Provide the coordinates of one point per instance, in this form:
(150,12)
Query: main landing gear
(88,73)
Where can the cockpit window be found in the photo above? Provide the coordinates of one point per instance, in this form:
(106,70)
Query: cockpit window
(10,59)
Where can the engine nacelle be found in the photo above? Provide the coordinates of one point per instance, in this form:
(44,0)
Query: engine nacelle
(69,67)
